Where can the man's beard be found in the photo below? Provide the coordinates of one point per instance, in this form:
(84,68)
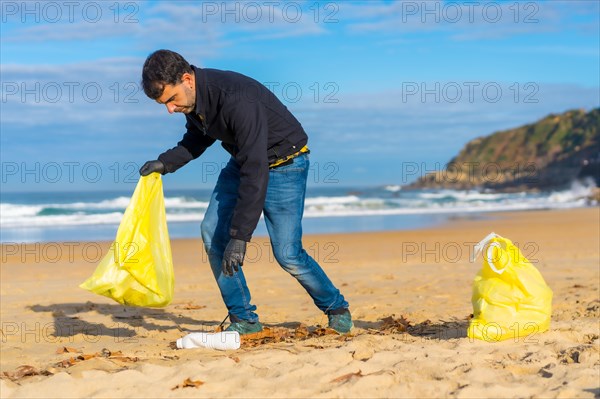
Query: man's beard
(190,97)
(186,109)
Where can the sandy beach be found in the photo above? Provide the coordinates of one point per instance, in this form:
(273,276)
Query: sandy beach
(409,292)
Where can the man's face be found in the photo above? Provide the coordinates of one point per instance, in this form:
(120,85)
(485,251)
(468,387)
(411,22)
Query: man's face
(180,97)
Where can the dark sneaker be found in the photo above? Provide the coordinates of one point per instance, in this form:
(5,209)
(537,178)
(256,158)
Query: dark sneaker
(340,320)
(245,327)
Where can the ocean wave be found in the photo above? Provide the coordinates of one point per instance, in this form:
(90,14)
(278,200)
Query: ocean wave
(465,195)
(383,202)
(579,190)
(77,219)
(123,202)
(323,200)
(17,210)
(393,188)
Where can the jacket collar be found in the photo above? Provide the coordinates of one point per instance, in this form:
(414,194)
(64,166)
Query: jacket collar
(201,94)
(199,83)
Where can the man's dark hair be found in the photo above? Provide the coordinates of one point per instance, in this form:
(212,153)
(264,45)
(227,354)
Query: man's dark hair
(163,67)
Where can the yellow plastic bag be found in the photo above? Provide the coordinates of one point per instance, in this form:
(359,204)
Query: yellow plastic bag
(138,269)
(510,297)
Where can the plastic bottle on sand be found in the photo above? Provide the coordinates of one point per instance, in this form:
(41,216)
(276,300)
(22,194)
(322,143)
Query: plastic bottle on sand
(221,340)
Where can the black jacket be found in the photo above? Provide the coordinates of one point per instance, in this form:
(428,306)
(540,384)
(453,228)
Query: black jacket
(252,125)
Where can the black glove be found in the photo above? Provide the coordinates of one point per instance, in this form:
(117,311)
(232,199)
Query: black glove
(152,166)
(233,257)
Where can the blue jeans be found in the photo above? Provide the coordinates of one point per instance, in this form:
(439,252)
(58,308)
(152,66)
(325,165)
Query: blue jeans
(283,209)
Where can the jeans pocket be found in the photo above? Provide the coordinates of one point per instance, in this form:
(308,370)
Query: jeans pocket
(298,165)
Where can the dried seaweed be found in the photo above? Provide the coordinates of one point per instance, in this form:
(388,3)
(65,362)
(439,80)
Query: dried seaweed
(188,383)
(105,353)
(274,335)
(20,372)
(347,377)
(66,349)
(266,336)
(394,325)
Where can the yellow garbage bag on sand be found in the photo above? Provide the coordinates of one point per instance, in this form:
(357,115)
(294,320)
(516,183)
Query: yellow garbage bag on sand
(138,269)
(510,297)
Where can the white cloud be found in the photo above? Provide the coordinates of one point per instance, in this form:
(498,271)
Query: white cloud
(192,28)
(467,20)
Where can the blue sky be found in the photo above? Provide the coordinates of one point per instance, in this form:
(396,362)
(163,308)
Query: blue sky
(381,87)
